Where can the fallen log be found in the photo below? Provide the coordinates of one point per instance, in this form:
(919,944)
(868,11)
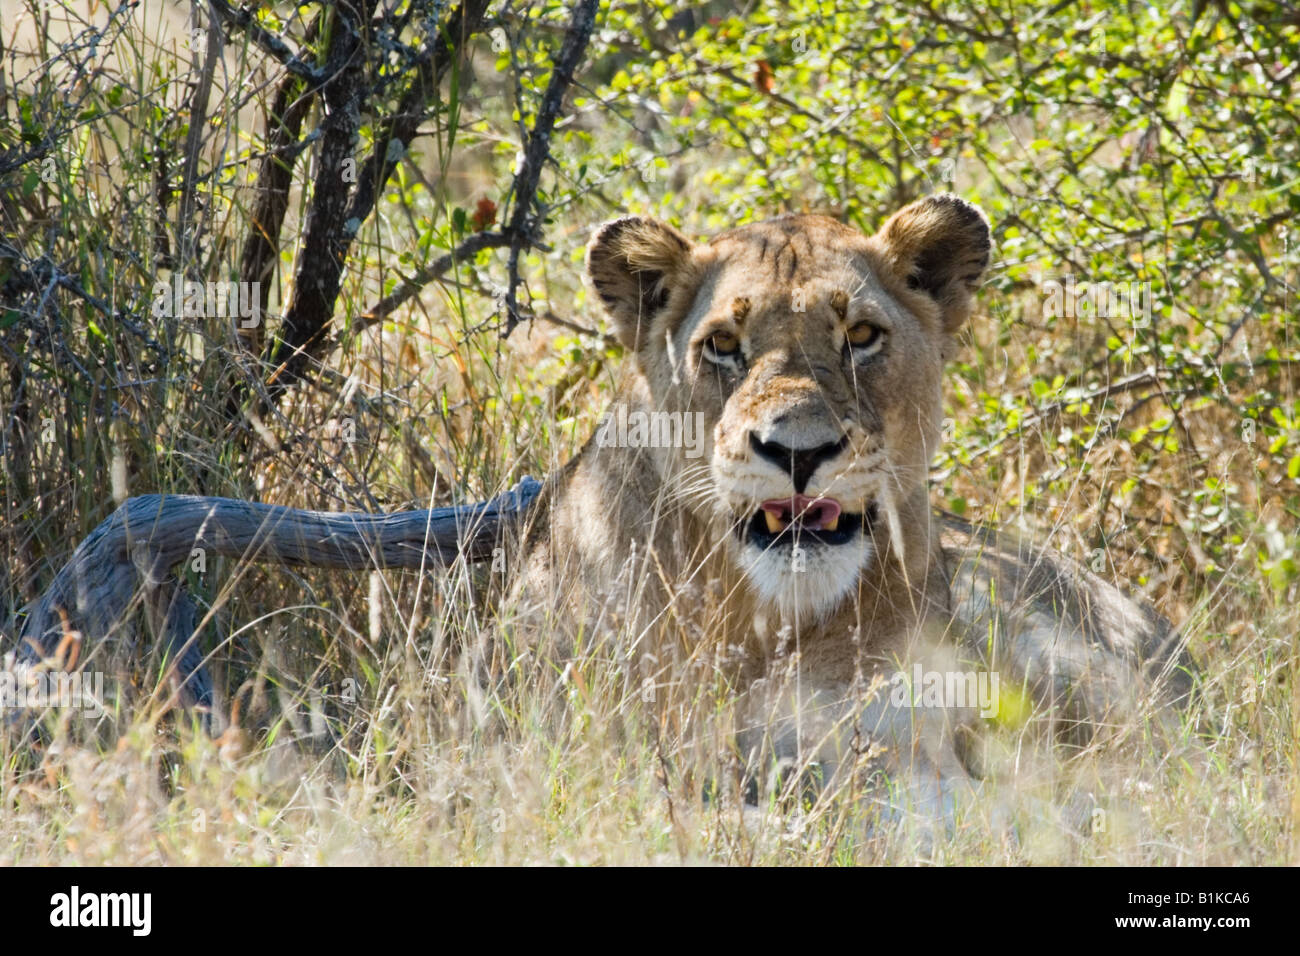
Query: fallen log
(128,562)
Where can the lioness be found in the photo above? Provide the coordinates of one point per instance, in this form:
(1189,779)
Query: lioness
(785,538)
(796,536)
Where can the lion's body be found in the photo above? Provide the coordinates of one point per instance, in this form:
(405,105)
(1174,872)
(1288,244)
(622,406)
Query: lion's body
(796,538)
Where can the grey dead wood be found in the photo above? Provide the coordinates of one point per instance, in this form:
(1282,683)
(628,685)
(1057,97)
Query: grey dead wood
(127,564)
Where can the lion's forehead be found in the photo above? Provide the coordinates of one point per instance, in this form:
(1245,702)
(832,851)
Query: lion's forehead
(809,230)
(775,255)
(792,275)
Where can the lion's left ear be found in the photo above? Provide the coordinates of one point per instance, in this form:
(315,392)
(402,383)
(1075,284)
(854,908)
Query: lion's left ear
(939,245)
(633,264)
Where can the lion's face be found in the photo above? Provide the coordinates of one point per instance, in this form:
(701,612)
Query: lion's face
(812,355)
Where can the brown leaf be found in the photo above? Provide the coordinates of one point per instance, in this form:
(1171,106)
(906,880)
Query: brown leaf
(485,214)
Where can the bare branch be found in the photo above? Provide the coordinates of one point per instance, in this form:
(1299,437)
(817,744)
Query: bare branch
(284,118)
(524,221)
(268,41)
(394,136)
(186,230)
(411,286)
(334,219)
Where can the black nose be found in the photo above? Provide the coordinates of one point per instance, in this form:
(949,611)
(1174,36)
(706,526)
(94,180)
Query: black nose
(800,462)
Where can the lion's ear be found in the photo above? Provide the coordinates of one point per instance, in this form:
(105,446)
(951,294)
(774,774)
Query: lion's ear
(632,264)
(939,245)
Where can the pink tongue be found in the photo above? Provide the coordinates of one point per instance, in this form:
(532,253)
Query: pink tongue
(816,512)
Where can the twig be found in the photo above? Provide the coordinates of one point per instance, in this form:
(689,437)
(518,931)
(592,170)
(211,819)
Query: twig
(394,137)
(828,124)
(523,222)
(269,42)
(554,319)
(186,233)
(284,119)
(410,286)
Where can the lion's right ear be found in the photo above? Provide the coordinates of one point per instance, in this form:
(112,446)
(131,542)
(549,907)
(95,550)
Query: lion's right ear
(632,265)
(939,246)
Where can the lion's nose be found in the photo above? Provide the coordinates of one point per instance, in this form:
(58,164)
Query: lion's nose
(801,463)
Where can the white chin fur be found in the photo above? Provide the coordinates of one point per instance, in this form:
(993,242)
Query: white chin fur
(829,574)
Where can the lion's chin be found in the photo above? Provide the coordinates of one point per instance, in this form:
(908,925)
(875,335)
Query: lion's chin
(806,583)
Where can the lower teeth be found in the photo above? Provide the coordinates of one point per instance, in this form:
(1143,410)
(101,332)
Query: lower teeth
(775,525)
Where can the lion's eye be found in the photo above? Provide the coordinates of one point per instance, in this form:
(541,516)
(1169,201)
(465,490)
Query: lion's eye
(865,339)
(722,347)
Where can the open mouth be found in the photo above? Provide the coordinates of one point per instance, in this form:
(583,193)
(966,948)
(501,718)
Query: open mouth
(782,522)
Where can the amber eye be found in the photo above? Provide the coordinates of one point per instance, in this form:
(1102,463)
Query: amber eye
(721,346)
(863,334)
(865,339)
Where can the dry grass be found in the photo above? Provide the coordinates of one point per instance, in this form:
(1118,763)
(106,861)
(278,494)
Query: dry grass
(461,744)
